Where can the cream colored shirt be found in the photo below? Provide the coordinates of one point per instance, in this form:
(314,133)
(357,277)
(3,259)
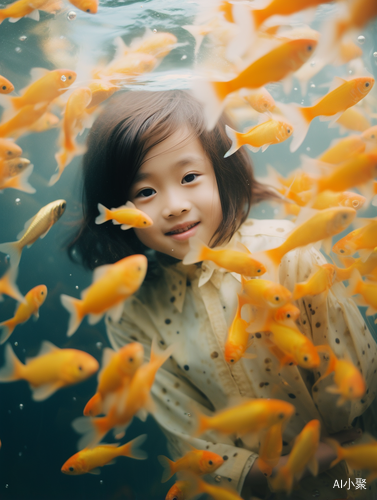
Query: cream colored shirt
(195,306)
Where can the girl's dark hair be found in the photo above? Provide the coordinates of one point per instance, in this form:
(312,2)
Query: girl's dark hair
(129,127)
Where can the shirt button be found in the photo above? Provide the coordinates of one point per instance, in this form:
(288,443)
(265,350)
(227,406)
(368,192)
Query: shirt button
(218,479)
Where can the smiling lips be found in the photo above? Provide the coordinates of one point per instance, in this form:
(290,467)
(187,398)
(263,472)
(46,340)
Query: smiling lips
(181,228)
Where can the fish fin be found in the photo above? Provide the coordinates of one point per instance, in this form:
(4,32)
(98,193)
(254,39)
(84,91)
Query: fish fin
(313,466)
(365,253)
(47,348)
(25,228)
(234,137)
(34,15)
(287,83)
(265,146)
(107,356)
(129,204)
(94,406)
(101,218)
(12,369)
(36,315)
(212,96)
(8,280)
(125,227)
(168,466)
(44,391)
(20,181)
(116,312)
(99,272)
(245,33)
(370,311)
(195,253)
(74,308)
(353,283)
(91,429)
(142,414)
(336,83)
(193,30)
(94,318)
(132,449)
(120,47)
(116,223)
(6,330)
(332,118)
(327,245)
(299,122)
(253,149)
(14,19)
(95,471)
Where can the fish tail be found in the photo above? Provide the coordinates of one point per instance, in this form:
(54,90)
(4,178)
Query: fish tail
(343,274)
(337,448)
(235,137)
(283,481)
(6,330)
(93,406)
(103,214)
(8,285)
(73,306)
(197,251)
(13,368)
(20,181)
(300,119)
(93,430)
(12,249)
(132,449)
(355,284)
(61,158)
(212,95)
(247,25)
(299,291)
(169,469)
(202,424)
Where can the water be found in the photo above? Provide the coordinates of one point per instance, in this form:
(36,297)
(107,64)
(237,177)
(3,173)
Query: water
(37,438)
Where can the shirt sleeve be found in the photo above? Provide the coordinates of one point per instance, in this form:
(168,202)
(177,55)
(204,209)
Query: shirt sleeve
(175,397)
(334,320)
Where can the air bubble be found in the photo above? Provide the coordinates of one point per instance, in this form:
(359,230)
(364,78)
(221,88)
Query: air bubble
(308,148)
(23,38)
(20,453)
(154,31)
(263,211)
(77,287)
(21,406)
(312,85)
(18,49)
(313,63)
(63,78)
(350,71)
(17,201)
(101,481)
(71,16)
(302,102)
(295,88)
(355,203)
(74,398)
(99,345)
(361,39)
(183,57)
(16,344)
(375,55)
(188,414)
(7,485)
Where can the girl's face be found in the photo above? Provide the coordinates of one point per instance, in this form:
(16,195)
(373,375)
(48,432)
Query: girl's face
(176,186)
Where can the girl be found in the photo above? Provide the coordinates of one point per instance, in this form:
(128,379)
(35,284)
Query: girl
(153,149)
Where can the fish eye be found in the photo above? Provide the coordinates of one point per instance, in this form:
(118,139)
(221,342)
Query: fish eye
(42,293)
(4,87)
(367,84)
(277,298)
(288,130)
(130,360)
(139,268)
(69,78)
(232,360)
(64,205)
(372,136)
(87,10)
(144,222)
(306,358)
(341,251)
(210,462)
(310,47)
(288,315)
(80,368)
(281,415)
(259,270)
(71,469)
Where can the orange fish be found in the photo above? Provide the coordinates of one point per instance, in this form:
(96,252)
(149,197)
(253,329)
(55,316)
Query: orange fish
(362,240)
(20,171)
(329,199)
(179,491)
(251,416)
(320,282)
(261,100)
(216,492)
(132,64)
(237,341)
(91,459)
(360,13)
(260,136)
(233,260)
(368,291)
(366,268)
(353,119)
(370,134)
(196,461)
(343,96)
(113,284)
(135,400)
(47,88)
(51,370)
(117,370)
(5,85)
(90,6)
(343,149)
(270,449)
(127,215)
(23,120)
(302,455)
(12,168)
(100,92)
(265,293)
(8,285)
(9,149)
(22,8)
(349,382)
(359,456)
(45,122)
(272,67)
(72,125)
(34,299)
(288,312)
(156,44)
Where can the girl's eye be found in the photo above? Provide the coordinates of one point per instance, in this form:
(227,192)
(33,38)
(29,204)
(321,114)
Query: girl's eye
(189,178)
(146,193)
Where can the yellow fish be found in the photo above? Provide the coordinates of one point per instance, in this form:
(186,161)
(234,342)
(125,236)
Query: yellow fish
(260,136)
(237,341)
(127,216)
(366,268)
(131,64)
(91,459)
(9,149)
(359,456)
(320,282)
(113,284)
(101,91)
(22,8)
(51,370)
(270,449)
(343,149)
(20,123)
(362,240)
(367,290)
(34,299)
(265,293)
(261,100)
(37,227)
(6,87)
(19,171)
(156,44)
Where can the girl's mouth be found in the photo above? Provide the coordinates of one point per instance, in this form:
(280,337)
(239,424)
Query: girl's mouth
(184,232)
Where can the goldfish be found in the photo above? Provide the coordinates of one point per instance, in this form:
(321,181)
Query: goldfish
(47,88)
(238,260)
(265,293)
(127,215)
(321,226)
(260,136)
(9,149)
(360,13)
(156,44)
(20,123)
(367,290)
(288,312)
(6,87)
(272,67)
(179,491)
(359,456)
(8,285)
(118,368)
(349,382)
(136,400)
(365,268)
(270,449)
(345,94)
(51,370)
(370,134)
(329,199)
(34,299)
(91,459)
(253,415)
(200,31)
(90,6)
(36,227)
(238,339)
(261,100)
(343,149)
(112,285)
(197,461)
(75,107)
(22,8)
(320,282)
(353,119)
(362,240)
(216,492)
(301,455)
(46,122)
(131,64)
(12,168)
(101,91)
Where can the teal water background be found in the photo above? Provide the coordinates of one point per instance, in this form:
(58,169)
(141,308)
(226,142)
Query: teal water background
(37,438)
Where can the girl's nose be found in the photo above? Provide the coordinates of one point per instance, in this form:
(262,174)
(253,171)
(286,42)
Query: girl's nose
(174,209)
